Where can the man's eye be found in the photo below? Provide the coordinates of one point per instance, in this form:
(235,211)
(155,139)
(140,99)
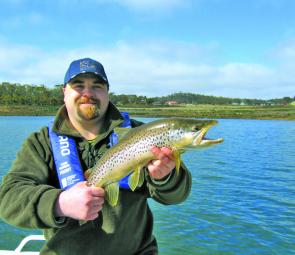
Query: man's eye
(78,86)
(98,86)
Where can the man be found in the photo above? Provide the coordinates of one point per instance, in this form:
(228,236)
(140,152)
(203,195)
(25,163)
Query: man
(30,195)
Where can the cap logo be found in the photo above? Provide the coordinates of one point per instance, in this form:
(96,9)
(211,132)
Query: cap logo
(87,66)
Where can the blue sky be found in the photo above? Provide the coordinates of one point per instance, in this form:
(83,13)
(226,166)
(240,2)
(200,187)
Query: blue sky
(229,48)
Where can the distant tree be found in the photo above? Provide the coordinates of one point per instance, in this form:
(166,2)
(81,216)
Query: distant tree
(14,93)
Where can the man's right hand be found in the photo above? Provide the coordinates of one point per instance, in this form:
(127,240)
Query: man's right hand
(80,202)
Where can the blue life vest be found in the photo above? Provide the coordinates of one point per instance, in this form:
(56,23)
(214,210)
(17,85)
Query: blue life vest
(66,159)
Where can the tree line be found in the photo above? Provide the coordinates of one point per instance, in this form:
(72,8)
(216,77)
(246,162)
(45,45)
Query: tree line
(190,98)
(12,93)
(24,94)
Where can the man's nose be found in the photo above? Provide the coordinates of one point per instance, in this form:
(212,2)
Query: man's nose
(87,91)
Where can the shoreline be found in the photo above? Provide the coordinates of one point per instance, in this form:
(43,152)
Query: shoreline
(192,111)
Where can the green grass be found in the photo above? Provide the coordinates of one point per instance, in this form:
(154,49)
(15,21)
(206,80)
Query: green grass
(28,110)
(216,111)
(194,111)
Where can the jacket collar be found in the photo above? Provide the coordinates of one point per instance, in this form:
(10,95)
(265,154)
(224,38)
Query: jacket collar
(63,126)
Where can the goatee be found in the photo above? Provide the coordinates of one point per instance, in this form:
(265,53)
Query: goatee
(89,112)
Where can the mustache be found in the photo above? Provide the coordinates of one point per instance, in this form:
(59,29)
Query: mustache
(86,100)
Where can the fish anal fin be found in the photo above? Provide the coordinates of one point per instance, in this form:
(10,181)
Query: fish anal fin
(112,193)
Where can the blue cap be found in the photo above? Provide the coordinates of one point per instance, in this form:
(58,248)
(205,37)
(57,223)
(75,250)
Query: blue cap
(85,65)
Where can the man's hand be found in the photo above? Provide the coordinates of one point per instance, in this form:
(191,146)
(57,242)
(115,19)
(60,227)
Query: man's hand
(163,165)
(80,202)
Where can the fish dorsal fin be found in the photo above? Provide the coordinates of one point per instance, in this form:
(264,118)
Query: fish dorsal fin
(112,193)
(88,173)
(176,155)
(136,178)
(121,132)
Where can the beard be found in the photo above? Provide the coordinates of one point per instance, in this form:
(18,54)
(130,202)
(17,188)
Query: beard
(89,112)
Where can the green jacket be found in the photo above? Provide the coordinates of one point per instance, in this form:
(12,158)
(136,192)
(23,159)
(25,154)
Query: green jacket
(29,191)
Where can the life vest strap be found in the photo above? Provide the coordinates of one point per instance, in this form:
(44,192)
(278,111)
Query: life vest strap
(66,159)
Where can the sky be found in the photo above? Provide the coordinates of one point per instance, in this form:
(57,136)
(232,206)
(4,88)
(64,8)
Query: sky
(229,48)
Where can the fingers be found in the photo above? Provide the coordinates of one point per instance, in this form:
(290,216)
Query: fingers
(158,164)
(93,191)
(92,210)
(163,164)
(89,191)
(96,192)
(80,202)
(162,153)
(159,170)
(164,157)
(94,203)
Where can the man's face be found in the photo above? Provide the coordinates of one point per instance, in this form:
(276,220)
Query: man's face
(86,97)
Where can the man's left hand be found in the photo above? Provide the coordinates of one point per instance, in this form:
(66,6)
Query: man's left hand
(163,164)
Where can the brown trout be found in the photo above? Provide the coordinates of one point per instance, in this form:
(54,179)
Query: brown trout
(133,151)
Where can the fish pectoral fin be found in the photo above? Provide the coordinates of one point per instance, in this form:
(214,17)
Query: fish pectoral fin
(112,193)
(135,178)
(176,155)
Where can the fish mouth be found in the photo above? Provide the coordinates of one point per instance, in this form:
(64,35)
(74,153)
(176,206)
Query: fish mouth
(201,140)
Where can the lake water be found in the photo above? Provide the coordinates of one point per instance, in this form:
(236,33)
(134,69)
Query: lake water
(243,195)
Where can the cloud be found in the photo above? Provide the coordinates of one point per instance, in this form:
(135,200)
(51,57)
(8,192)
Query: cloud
(153,69)
(26,64)
(14,56)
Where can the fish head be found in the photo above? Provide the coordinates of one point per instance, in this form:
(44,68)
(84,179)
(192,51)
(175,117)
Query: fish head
(194,132)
